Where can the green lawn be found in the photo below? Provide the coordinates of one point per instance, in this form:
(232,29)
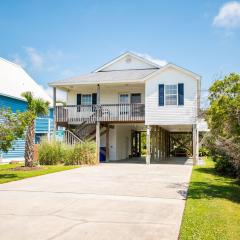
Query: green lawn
(8,175)
(213,206)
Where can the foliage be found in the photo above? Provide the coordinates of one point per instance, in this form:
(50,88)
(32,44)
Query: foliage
(36,107)
(212,209)
(12,127)
(143,144)
(51,153)
(181,143)
(203,151)
(223,118)
(9,174)
(224,165)
(81,154)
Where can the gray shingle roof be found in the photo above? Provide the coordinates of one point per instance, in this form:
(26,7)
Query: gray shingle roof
(105,77)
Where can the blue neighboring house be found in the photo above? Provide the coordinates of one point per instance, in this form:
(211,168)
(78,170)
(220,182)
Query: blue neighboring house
(13,82)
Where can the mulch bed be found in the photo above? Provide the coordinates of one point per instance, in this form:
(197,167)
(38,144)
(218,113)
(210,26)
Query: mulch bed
(22,168)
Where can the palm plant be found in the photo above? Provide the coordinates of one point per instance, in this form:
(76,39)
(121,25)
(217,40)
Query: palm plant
(36,107)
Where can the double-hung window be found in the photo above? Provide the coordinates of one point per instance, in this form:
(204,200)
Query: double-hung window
(171,94)
(86,99)
(124,98)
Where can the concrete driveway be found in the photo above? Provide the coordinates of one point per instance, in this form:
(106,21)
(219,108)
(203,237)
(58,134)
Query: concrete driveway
(105,202)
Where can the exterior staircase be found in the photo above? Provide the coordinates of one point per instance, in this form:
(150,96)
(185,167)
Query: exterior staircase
(84,132)
(71,138)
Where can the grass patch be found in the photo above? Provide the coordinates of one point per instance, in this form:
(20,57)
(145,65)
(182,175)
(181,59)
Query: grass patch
(213,206)
(9,173)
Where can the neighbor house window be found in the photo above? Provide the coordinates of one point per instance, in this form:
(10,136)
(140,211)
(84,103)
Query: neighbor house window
(86,99)
(171,94)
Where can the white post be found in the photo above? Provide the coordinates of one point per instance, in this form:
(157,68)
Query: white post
(98,94)
(49,129)
(148,156)
(98,125)
(195,143)
(98,140)
(54,112)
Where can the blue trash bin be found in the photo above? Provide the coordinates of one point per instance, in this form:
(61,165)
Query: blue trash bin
(102,154)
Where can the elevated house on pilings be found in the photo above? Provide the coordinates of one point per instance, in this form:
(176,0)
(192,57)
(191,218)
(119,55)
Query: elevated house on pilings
(127,96)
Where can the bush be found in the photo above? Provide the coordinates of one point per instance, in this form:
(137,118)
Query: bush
(54,152)
(203,151)
(82,154)
(50,153)
(224,165)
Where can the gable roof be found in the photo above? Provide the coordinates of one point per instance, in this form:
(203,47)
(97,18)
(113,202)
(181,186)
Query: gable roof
(151,64)
(178,68)
(14,81)
(123,75)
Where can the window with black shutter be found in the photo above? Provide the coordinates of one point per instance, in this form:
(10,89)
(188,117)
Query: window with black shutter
(161,95)
(79,101)
(94,98)
(180,94)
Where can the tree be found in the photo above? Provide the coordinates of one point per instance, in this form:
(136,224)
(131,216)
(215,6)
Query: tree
(36,107)
(12,127)
(223,118)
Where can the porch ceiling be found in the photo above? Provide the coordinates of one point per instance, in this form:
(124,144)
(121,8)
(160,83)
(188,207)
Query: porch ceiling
(178,128)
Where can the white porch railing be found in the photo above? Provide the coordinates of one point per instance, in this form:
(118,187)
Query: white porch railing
(76,114)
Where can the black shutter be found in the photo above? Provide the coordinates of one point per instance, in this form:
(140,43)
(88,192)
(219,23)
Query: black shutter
(94,98)
(161,95)
(79,100)
(180,94)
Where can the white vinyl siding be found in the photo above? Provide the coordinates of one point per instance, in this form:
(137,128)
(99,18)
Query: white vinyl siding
(108,94)
(170,114)
(128,63)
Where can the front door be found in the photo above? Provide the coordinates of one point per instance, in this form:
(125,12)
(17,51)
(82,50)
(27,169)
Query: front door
(124,105)
(136,144)
(136,108)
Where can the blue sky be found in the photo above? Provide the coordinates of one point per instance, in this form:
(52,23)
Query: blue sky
(59,39)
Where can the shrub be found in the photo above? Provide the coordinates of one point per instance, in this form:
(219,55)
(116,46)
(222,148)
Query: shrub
(203,151)
(81,154)
(226,154)
(224,165)
(54,152)
(50,153)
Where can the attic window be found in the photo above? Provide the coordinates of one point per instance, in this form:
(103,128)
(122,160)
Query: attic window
(128,60)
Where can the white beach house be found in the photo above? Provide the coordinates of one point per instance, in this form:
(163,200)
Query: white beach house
(127,96)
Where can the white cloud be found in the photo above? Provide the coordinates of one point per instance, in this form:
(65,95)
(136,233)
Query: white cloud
(35,58)
(49,61)
(228,15)
(18,60)
(151,59)
(67,73)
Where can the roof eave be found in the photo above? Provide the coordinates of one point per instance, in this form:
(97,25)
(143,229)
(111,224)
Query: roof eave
(94,83)
(184,70)
(122,56)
